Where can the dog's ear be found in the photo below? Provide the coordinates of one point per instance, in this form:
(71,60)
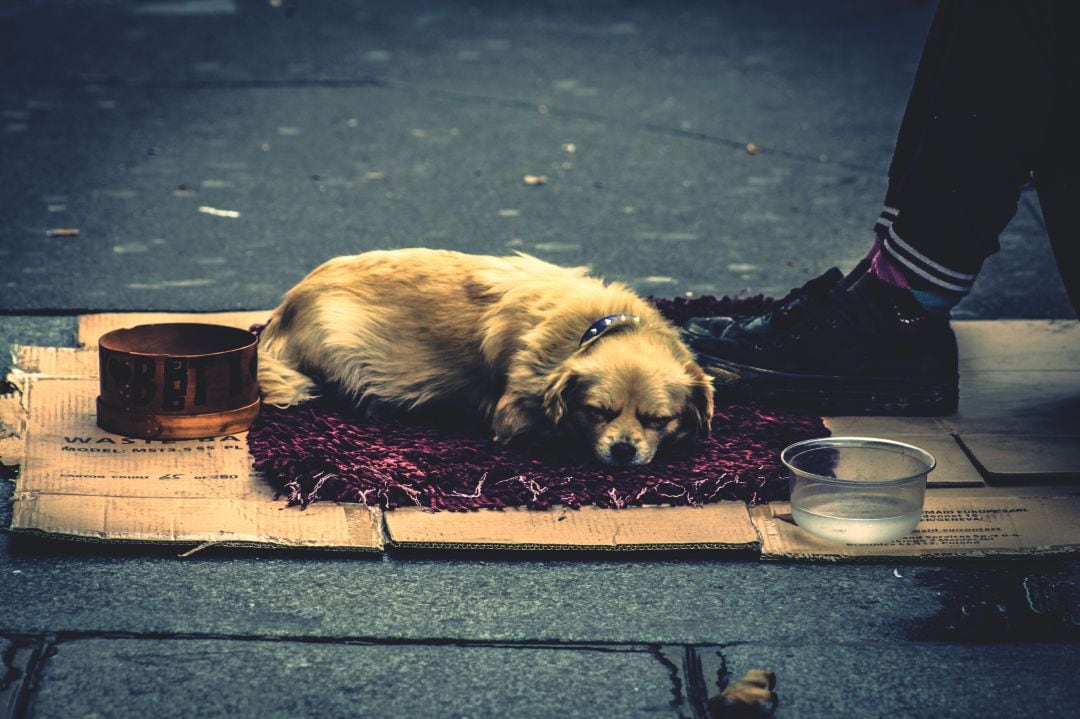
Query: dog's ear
(560,386)
(697,418)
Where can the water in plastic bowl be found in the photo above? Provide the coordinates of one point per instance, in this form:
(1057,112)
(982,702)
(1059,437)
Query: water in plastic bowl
(857,490)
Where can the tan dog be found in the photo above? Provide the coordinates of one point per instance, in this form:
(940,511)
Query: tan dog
(501,337)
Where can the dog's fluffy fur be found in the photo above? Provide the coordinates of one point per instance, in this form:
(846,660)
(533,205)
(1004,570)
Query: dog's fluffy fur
(418,328)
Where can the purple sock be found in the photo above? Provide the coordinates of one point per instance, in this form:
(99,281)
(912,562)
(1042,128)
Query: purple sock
(885,269)
(894,262)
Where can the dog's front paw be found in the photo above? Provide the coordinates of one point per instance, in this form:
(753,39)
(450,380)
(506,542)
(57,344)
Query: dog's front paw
(505,435)
(512,417)
(751,696)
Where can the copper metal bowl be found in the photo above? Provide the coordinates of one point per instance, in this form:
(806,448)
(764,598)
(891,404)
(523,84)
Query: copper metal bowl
(178,381)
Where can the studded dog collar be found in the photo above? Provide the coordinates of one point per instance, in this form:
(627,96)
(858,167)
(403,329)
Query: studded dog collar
(604,324)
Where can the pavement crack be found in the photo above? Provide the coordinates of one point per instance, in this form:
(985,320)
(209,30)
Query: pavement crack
(678,700)
(650,127)
(22,664)
(554,644)
(697,691)
(707,673)
(270,84)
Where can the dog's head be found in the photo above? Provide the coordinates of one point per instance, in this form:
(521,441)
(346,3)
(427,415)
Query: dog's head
(629,392)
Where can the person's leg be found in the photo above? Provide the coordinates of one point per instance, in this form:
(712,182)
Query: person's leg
(980,105)
(1057,168)
(879,341)
(1058,186)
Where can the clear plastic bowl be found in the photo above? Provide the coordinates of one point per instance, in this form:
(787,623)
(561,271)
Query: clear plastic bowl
(857,490)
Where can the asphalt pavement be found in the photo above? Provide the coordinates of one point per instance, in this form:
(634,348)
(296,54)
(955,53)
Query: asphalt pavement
(206,154)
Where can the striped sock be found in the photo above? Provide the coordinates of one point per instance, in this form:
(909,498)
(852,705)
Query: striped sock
(936,287)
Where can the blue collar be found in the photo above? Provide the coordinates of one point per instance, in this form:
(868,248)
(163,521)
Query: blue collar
(604,324)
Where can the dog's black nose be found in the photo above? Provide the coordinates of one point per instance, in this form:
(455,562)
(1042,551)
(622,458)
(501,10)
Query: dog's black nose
(623,452)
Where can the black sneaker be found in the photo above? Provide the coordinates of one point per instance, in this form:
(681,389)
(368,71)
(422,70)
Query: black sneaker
(837,345)
(810,292)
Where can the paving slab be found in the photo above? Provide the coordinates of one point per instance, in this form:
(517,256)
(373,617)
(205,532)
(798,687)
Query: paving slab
(221,678)
(1000,345)
(1023,458)
(938,680)
(889,426)
(1021,425)
(1034,402)
(954,467)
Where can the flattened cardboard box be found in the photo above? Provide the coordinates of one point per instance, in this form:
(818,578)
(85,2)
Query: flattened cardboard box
(79,481)
(725,525)
(955,523)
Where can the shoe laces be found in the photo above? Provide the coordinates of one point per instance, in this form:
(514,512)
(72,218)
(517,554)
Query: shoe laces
(793,305)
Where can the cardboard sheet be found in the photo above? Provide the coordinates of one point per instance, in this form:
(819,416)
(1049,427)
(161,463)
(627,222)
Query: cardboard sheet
(79,481)
(975,524)
(200,520)
(12,428)
(725,525)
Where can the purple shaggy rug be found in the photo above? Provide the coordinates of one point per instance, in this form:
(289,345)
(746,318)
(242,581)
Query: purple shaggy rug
(317,452)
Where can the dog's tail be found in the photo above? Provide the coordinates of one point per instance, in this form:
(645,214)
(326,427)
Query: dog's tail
(281,384)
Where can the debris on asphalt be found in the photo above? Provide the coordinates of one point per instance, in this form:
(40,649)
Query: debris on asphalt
(218,213)
(751,696)
(62,232)
(535,180)
(752,148)
(569,148)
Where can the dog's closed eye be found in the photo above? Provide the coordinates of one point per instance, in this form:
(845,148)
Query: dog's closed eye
(655,421)
(600,414)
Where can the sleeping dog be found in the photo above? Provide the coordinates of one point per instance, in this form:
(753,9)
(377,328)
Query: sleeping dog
(523,344)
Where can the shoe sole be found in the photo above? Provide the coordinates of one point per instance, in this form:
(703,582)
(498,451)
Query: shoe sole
(835,395)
